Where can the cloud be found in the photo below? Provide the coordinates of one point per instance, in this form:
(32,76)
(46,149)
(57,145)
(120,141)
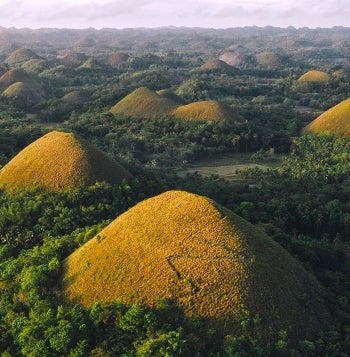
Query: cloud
(153,13)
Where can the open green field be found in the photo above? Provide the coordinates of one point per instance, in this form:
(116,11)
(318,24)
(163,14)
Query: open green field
(227,166)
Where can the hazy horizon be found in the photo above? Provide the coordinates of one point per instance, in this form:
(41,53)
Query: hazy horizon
(82,14)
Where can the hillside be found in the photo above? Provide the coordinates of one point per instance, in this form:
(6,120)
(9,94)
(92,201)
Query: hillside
(269,59)
(207,111)
(21,56)
(117,58)
(35,66)
(335,120)
(144,103)
(58,161)
(315,77)
(215,64)
(73,59)
(12,76)
(214,264)
(22,92)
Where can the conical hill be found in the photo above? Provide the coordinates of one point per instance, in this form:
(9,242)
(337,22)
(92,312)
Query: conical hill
(334,121)
(315,77)
(208,110)
(58,161)
(212,263)
(144,103)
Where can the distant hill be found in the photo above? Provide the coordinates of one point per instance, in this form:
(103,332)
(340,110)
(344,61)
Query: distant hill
(117,58)
(212,263)
(12,76)
(22,93)
(315,77)
(335,120)
(73,59)
(207,111)
(144,103)
(58,161)
(20,56)
(270,59)
(215,64)
(35,66)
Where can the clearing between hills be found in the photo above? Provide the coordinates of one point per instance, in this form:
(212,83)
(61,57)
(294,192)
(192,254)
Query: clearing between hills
(228,165)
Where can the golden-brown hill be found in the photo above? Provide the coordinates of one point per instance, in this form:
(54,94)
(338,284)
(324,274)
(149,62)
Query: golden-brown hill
(211,262)
(335,120)
(12,76)
(208,110)
(215,64)
(22,93)
(20,56)
(315,77)
(58,161)
(144,103)
(73,59)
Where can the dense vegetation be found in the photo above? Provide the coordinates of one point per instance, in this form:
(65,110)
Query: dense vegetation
(303,204)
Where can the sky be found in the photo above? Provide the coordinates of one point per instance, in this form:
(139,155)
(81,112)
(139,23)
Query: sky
(190,13)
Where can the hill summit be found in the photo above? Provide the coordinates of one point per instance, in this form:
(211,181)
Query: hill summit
(144,103)
(212,263)
(207,110)
(58,161)
(314,77)
(335,120)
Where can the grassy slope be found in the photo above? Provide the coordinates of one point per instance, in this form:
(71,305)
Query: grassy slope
(213,263)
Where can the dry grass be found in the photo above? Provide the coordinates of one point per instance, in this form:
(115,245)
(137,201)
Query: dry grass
(214,264)
(207,111)
(22,92)
(73,59)
(144,103)
(233,59)
(335,120)
(12,76)
(269,59)
(215,64)
(116,59)
(35,66)
(59,161)
(314,77)
(167,93)
(20,56)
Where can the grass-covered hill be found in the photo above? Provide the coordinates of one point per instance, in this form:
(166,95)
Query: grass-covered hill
(144,103)
(22,92)
(315,76)
(20,56)
(184,247)
(334,121)
(12,76)
(59,161)
(215,64)
(212,111)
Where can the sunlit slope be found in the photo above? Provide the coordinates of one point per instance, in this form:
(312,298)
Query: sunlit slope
(144,103)
(212,263)
(207,111)
(59,161)
(314,77)
(335,120)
